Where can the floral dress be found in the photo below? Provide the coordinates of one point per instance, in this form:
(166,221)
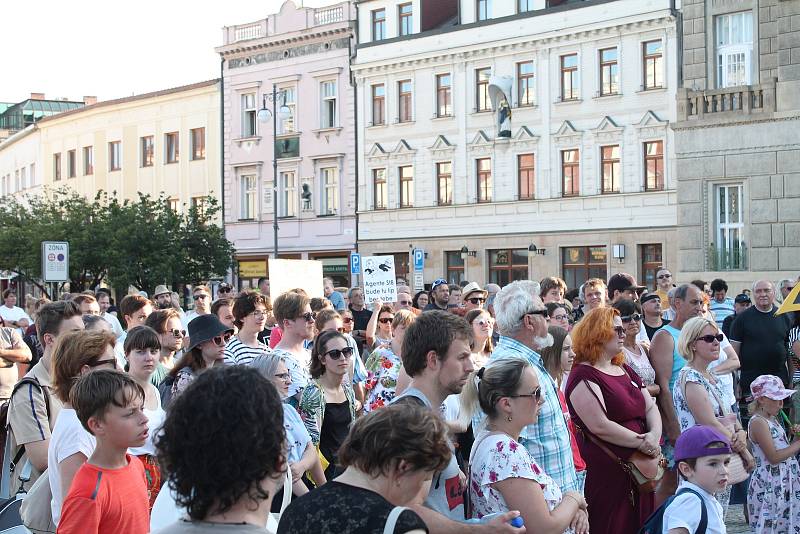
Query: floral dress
(383,367)
(773,497)
(498,457)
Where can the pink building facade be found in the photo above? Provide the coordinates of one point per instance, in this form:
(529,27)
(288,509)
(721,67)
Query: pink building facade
(305,53)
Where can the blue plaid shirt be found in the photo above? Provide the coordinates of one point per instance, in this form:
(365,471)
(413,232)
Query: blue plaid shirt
(548,439)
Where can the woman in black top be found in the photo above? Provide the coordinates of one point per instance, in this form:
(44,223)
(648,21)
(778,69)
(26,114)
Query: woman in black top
(389,456)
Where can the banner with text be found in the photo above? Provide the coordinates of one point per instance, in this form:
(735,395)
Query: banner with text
(379,279)
(289,274)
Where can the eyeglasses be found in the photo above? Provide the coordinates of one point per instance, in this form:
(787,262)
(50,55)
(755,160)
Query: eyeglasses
(404,302)
(542,312)
(258,314)
(177,333)
(385,320)
(111,363)
(335,354)
(283,376)
(347,320)
(537,394)
(221,340)
(562,317)
(483,322)
(710,338)
(789,288)
(476,300)
(310,317)
(200,296)
(628,318)
(620,331)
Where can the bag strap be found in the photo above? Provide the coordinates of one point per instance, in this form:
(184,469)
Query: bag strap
(703,524)
(391,519)
(725,409)
(287,490)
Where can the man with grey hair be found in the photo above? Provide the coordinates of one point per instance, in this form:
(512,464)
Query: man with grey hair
(522,318)
(786,285)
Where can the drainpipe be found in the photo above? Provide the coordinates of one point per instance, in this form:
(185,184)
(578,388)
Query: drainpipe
(222,144)
(678,14)
(355,121)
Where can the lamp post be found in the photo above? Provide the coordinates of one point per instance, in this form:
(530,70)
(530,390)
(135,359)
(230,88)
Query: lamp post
(264,115)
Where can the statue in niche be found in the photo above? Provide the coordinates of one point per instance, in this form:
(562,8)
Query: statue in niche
(306,196)
(500,93)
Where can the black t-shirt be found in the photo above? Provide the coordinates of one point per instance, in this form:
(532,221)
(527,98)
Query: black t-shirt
(651,330)
(726,324)
(763,350)
(433,307)
(337,508)
(335,427)
(360,318)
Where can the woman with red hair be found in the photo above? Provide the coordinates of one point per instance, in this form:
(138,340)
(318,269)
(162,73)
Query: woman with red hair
(615,416)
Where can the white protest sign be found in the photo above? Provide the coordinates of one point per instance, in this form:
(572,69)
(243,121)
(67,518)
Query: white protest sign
(379,279)
(289,274)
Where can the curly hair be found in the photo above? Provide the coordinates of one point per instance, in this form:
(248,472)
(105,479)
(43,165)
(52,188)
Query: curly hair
(317,367)
(551,282)
(245,303)
(591,334)
(378,441)
(218,445)
(72,351)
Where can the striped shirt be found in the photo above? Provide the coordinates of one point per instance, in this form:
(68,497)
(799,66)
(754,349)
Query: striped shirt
(721,310)
(237,353)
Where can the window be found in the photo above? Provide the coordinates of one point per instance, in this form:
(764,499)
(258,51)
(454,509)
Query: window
(734,47)
(289,99)
(287,207)
(609,72)
(578,264)
(525,84)
(526,172)
(171,145)
(729,232)
(379,24)
(174,205)
(506,266)
(381,191)
(198,143)
(444,95)
(652,62)
(249,113)
(330,191)
(32,174)
(17,186)
(378,103)
(199,206)
(444,182)
(72,164)
(569,77)
(406,15)
(114,156)
(404,101)
(483,170)
(455,267)
(484,9)
(249,197)
(328,93)
(147,151)
(651,262)
(56,166)
(406,174)
(654,166)
(524,5)
(23,180)
(570,172)
(609,163)
(482,102)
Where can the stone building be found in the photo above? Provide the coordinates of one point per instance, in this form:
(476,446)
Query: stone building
(737,141)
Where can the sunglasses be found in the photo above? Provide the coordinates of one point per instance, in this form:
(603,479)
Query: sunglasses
(537,394)
(198,297)
(404,302)
(224,290)
(628,318)
(98,363)
(476,300)
(221,340)
(663,276)
(439,282)
(483,322)
(620,331)
(542,312)
(347,320)
(335,354)
(385,320)
(178,333)
(310,317)
(283,376)
(710,338)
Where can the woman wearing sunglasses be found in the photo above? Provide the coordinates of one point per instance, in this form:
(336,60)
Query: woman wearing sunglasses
(637,354)
(328,405)
(384,364)
(503,475)
(379,327)
(208,337)
(615,415)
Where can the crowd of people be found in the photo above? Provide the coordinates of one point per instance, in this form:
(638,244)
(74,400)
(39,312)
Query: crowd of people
(534,407)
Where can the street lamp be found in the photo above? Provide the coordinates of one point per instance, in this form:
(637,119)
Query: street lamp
(264,115)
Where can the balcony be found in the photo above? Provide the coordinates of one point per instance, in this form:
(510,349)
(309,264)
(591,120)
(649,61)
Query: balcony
(730,104)
(246,32)
(328,15)
(720,259)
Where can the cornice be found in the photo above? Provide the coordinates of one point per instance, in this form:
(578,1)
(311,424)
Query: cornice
(264,43)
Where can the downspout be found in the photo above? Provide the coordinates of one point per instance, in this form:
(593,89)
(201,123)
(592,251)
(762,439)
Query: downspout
(222,143)
(352,53)
(678,14)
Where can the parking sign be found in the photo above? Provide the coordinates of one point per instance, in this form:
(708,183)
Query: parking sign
(419,259)
(355,263)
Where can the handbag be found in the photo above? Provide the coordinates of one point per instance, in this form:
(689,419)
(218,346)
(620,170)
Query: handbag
(391,519)
(275,518)
(35,510)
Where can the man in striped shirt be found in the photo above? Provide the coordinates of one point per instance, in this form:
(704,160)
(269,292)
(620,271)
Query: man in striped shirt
(721,305)
(249,316)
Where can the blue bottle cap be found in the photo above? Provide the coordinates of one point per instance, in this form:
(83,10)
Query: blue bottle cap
(517,522)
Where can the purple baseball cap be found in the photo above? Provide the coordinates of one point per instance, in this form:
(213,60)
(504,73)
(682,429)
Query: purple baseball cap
(695,443)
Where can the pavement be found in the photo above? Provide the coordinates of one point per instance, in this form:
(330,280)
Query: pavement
(735,522)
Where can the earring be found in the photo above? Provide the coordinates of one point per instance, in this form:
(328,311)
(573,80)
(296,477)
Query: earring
(509,418)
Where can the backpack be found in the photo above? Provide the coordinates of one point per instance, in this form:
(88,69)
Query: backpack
(4,425)
(655,523)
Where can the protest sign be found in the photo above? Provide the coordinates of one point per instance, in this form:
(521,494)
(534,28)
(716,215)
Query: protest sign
(379,279)
(289,274)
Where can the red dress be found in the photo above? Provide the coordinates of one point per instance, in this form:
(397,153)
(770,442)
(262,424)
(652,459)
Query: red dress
(608,487)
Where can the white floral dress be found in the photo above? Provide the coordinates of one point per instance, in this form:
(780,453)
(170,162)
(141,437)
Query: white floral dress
(383,368)
(773,497)
(498,457)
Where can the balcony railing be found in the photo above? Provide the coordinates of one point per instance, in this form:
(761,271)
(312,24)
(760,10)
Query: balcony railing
(328,15)
(726,103)
(250,31)
(720,259)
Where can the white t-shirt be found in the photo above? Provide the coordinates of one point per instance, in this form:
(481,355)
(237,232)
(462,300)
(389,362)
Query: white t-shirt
(69,437)
(297,436)
(114,322)
(725,380)
(451,408)
(684,511)
(155,418)
(14,314)
(297,364)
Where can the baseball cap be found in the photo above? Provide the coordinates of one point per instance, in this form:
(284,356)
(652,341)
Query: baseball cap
(438,282)
(771,387)
(623,282)
(695,443)
(741,298)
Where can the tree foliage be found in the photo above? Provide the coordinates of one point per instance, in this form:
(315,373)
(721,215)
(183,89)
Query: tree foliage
(141,243)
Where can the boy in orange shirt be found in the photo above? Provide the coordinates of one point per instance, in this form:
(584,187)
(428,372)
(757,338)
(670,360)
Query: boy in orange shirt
(109,493)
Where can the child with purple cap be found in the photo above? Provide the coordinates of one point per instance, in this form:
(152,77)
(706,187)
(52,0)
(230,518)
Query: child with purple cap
(773,497)
(702,455)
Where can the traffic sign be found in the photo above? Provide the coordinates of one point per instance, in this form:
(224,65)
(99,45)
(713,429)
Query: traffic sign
(55,261)
(419,282)
(419,259)
(355,263)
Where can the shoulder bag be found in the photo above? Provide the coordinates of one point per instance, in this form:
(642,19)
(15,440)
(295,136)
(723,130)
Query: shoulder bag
(392,518)
(35,510)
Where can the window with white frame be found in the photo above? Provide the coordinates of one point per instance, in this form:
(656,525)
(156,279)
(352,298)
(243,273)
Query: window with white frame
(524,5)
(569,77)
(289,99)
(23,180)
(653,64)
(404,101)
(330,190)
(88,160)
(381,201)
(444,95)
(483,9)
(32,174)
(287,207)
(328,117)
(114,155)
(249,113)
(378,104)
(526,92)
(729,231)
(609,71)
(249,197)
(734,47)
(171,147)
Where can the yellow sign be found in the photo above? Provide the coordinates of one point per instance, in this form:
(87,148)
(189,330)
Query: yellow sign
(792,301)
(252,269)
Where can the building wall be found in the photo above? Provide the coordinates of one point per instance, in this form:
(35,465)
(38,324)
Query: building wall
(21,157)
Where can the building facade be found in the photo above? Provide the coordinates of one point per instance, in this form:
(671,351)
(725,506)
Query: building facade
(578,184)
(737,143)
(305,54)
